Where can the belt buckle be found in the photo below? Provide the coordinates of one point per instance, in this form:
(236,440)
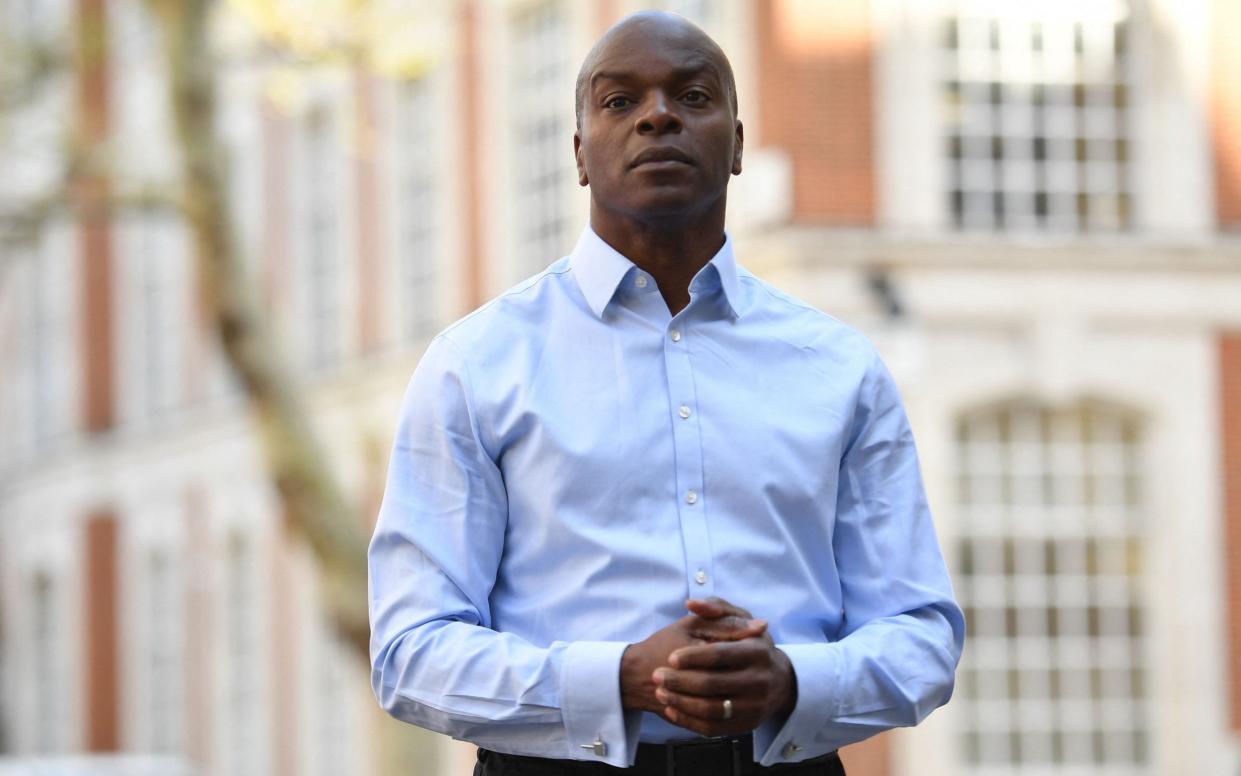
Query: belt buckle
(734,753)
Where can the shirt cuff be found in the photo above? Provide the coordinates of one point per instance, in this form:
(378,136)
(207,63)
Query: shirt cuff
(596,726)
(817,670)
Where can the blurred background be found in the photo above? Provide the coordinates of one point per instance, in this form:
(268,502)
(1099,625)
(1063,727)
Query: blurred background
(228,229)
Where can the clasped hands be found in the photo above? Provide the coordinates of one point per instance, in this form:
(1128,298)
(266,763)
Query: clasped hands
(717,652)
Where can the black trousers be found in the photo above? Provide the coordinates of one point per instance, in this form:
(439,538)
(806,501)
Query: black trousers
(653,761)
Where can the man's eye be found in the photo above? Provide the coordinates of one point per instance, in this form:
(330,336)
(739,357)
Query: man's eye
(616,102)
(695,95)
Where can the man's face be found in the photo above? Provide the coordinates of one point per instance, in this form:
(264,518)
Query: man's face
(658,136)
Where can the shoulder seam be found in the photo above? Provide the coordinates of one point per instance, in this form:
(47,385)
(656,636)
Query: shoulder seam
(788,300)
(520,288)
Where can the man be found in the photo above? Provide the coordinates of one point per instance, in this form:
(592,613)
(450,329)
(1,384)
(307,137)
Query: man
(642,423)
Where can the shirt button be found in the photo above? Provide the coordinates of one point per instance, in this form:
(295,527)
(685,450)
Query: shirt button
(684,411)
(640,281)
(691,497)
(701,577)
(675,334)
(789,750)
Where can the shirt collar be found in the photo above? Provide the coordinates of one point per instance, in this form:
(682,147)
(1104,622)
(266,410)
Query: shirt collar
(600,268)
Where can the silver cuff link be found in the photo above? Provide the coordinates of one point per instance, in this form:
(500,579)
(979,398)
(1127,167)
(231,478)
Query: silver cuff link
(598,747)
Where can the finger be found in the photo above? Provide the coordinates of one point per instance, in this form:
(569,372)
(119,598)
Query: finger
(700,726)
(710,607)
(707,727)
(727,628)
(711,709)
(712,684)
(721,654)
(714,607)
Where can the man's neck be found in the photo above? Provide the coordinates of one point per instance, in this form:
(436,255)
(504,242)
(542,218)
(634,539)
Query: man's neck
(672,250)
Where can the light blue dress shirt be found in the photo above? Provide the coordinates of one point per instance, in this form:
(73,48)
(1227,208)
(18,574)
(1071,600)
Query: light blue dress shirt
(572,462)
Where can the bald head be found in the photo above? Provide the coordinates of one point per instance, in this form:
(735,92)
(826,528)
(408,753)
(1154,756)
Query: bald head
(667,28)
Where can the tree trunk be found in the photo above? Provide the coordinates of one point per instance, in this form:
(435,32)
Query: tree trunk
(313,499)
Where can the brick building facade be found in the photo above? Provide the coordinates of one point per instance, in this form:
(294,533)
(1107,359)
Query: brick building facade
(1032,212)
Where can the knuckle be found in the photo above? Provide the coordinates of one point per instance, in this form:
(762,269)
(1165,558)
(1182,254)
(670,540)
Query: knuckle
(755,685)
(702,688)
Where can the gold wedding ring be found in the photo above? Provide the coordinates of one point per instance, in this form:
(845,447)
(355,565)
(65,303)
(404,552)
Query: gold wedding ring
(728,709)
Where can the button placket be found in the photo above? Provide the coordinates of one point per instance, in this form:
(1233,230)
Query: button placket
(687,443)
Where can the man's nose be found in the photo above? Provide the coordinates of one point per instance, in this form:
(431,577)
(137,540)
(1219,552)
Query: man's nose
(658,115)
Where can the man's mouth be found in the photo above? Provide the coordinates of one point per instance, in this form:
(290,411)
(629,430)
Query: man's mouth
(663,155)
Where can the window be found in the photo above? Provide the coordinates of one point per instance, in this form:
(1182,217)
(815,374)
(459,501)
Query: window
(1051,574)
(157,314)
(243,654)
(322,257)
(42,371)
(1036,104)
(33,22)
(416,242)
(49,342)
(12,351)
(7,692)
(50,694)
(332,700)
(704,13)
(543,131)
(165,669)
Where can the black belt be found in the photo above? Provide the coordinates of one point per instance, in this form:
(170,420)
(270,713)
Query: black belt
(729,756)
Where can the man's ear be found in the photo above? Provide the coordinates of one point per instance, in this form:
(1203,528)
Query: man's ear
(582,179)
(737,145)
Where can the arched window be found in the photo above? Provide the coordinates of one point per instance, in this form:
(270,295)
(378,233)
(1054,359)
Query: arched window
(1050,572)
(50,695)
(332,698)
(244,676)
(165,655)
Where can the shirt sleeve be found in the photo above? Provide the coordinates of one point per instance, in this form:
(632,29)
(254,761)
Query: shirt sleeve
(902,632)
(435,660)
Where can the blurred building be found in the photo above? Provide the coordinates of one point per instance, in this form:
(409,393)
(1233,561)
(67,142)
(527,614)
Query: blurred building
(1032,209)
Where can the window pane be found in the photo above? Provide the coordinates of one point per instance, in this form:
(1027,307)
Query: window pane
(417,193)
(1049,571)
(1048,90)
(542,140)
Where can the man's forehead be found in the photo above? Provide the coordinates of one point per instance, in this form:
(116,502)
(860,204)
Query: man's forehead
(628,68)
